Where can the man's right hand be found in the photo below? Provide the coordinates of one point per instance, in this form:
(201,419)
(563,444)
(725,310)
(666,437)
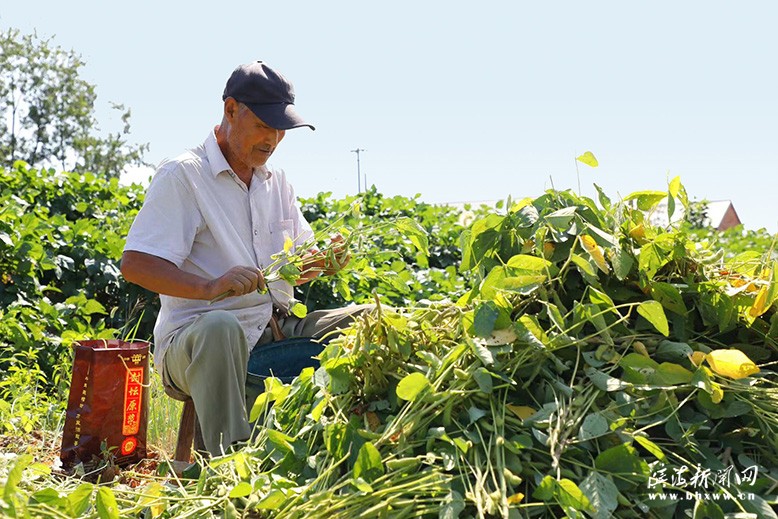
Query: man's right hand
(236,282)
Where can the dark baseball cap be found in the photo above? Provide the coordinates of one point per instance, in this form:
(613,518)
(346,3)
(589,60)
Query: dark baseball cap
(267,93)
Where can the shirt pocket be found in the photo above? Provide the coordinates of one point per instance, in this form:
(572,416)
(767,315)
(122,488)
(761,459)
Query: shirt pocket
(280,230)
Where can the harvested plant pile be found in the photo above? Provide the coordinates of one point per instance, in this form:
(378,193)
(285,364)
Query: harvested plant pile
(596,364)
(597,367)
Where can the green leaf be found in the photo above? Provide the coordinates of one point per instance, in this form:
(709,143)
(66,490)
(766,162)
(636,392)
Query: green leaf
(545,490)
(280,440)
(47,496)
(586,268)
(646,200)
(602,238)
(638,362)
(338,438)
(79,499)
(242,489)
(529,264)
(299,310)
(481,352)
(453,505)
(624,464)
(653,312)
(272,501)
(594,425)
(708,510)
(15,476)
(107,508)
(676,190)
(475,414)
(760,507)
(93,307)
(561,218)
(362,485)
(411,386)
(673,351)
(622,263)
(670,206)
(669,296)
(565,492)
(260,404)
(650,446)
(670,374)
(523,285)
(637,368)
(604,381)
(368,465)
(412,230)
(289,272)
(530,330)
(485,317)
(605,202)
(602,494)
(723,309)
(600,298)
(488,288)
(484,380)
(652,258)
(568,494)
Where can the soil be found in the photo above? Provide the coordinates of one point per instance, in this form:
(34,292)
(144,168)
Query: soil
(45,449)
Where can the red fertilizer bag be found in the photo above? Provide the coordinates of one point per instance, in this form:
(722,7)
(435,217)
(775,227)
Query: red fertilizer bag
(108,402)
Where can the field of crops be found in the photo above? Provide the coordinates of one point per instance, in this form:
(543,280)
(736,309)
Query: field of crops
(558,357)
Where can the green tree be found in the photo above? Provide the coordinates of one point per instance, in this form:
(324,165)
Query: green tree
(49,110)
(697,216)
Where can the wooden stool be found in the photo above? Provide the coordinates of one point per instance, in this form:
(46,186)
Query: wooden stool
(188,428)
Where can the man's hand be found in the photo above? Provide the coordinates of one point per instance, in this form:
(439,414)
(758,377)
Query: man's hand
(236,282)
(328,263)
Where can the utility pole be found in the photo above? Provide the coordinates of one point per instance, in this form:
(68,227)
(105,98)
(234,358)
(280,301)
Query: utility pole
(359,173)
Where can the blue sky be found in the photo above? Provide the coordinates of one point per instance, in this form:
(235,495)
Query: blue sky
(458,101)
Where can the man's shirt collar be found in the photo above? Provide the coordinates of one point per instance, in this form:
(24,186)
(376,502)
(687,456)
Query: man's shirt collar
(219,164)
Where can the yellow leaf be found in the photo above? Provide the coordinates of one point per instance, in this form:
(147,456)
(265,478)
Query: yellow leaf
(718,394)
(760,303)
(548,250)
(638,233)
(595,252)
(522,411)
(515,499)
(152,498)
(589,159)
(731,363)
(675,187)
(697,357)
(288,244)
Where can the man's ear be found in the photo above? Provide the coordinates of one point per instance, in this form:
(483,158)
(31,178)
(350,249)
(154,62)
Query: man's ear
(230,108)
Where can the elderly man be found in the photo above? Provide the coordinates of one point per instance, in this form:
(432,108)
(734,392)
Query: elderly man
(212,218)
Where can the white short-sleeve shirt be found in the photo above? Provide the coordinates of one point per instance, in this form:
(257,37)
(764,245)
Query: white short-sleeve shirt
(201,217)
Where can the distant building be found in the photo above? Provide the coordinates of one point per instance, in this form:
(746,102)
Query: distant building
(722,215)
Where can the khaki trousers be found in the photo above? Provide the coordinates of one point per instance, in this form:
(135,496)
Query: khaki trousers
(207,361)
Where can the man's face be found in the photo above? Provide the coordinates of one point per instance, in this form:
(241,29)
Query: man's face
(251,141)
